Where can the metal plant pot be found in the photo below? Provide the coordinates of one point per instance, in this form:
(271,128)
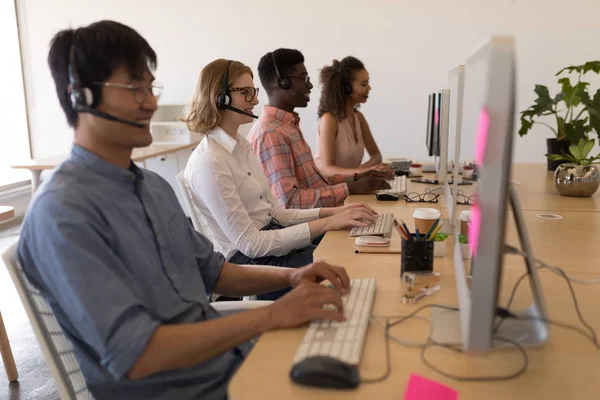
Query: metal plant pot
(576,180)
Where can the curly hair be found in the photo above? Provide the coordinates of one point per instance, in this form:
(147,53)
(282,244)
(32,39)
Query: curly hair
(335,79)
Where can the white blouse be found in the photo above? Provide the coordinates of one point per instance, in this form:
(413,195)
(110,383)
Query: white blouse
(230,190)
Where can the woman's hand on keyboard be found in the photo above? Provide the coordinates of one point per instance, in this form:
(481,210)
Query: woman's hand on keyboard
(353,215)
(329,211)
(304,303)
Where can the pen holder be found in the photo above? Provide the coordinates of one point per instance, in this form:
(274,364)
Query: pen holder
(416,255)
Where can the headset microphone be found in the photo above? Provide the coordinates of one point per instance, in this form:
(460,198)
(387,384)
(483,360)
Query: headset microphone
(237,110)
(224,97)
(82,98)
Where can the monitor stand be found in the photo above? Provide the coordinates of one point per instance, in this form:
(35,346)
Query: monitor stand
(446,324)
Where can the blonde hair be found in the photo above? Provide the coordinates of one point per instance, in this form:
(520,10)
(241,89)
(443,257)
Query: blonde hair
(202,114)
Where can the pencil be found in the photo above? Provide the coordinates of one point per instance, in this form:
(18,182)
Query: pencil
(400,230)
(437,228)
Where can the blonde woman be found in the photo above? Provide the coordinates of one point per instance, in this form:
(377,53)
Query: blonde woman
(230,189)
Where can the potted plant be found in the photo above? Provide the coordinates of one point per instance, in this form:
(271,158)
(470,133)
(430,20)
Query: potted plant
(439,244)
(578,177)
(574,112)
(464,246)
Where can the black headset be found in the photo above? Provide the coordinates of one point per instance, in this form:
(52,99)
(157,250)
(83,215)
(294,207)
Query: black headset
(283,83)
(224,97)
(81,97)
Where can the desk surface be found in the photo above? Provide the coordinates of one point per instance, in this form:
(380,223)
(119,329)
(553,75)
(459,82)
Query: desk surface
(139,154)
(564,368)
(533,182)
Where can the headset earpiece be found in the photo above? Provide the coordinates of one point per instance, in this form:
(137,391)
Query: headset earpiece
(223,98)
(80,97)
(283,83)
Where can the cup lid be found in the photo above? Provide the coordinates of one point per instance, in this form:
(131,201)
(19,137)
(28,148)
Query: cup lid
(465,215)
(427,213)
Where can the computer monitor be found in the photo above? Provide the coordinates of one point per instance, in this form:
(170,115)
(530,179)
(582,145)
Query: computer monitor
(441,161)
(431,124)
(490,100)
(457,82)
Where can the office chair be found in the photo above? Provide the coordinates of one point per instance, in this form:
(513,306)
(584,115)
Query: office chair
(56,347)
(198,220)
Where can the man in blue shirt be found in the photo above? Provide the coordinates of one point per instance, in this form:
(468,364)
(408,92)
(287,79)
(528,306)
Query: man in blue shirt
(114,255)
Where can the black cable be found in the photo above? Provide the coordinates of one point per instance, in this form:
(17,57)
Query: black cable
(418,310)
(388,357)
(560,272)
(476,378)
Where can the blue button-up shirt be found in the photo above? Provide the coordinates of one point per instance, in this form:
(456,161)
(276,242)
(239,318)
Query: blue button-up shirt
(115,257)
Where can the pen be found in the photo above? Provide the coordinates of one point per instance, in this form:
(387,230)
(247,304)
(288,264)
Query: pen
(406,229)
(418,235)
(400,230)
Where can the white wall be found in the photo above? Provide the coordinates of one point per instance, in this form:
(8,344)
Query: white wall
(407,46)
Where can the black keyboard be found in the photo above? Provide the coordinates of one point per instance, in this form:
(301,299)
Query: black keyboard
(401,167)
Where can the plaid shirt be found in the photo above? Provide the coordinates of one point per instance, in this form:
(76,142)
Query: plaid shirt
(289,166)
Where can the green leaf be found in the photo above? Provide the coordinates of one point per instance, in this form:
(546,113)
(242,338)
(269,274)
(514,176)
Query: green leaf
(572,92)
(575,151)
(562,157)
(543,103)
(576,130)
(585,146)
(593,109)
(525,126)
(584,68)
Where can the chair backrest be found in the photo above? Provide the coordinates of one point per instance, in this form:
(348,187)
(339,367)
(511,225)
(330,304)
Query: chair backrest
(56,346)
(198,220)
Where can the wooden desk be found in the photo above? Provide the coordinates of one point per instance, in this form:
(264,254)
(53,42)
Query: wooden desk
(36,166)
(534,184)
(566,367)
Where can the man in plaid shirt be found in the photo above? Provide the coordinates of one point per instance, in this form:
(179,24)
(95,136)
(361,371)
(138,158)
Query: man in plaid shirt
(285,156)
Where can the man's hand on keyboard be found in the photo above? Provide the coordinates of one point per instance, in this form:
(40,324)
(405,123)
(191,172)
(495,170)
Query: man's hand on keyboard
(303,304)
(367,184)
(379,171)
(320,271)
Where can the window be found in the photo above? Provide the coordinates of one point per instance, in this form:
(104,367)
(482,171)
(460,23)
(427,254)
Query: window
(14,134)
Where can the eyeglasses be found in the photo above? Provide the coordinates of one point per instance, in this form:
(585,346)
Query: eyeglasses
(140,92)
(305,78)
(427,197)
(249,92)
(464,200)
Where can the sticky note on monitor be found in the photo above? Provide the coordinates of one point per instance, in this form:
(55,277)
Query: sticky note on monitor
(420,388)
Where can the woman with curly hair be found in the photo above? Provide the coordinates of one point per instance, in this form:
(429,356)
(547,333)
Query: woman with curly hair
(343,133)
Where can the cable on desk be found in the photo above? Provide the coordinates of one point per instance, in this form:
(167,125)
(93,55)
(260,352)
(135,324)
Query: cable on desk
(553,268)
(388,368)
(406,343)
(562,274)
(483,378)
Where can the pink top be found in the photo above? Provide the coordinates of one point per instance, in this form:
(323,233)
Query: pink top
(349,150)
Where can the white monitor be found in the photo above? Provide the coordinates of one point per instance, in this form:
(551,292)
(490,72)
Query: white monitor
(457,83)
(489,111)
(441,161)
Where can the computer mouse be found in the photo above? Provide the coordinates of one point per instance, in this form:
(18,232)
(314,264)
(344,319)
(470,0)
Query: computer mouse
(372,241)
(387,196)
(325,372)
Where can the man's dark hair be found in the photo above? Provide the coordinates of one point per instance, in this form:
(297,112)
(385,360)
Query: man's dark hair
(285,59)
(100,48)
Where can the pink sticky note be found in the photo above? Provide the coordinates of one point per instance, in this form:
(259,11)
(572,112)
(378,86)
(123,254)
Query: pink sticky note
(420,388)
(482,135)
